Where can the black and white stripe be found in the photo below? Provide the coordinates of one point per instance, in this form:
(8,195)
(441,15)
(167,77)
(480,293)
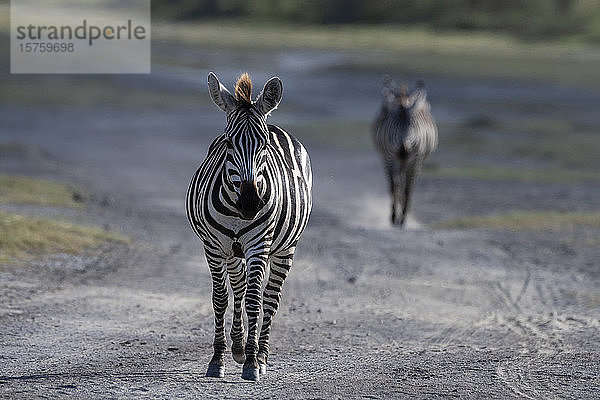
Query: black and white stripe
(249,203)
(405,133)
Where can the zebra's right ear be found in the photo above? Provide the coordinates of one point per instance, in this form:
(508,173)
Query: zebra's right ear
(418,97)
(219,94)
(389,88)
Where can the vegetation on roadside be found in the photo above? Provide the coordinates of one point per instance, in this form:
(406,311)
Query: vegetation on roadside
(24,190)
(529,19)
(498,173)
(397,48)
(406,47)
(560,142)
(344,133)
(92,91)
(536,221)
(25,238)
(556,161)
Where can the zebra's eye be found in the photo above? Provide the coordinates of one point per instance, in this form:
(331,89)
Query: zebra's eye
(235,180)
(260,179)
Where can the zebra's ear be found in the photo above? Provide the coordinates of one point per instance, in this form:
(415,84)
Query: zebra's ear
(389,89)
(418,97)
(388,82)
(269,98)
(219,94)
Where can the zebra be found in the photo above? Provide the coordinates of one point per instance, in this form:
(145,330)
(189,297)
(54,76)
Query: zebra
(249,202)
(404,133)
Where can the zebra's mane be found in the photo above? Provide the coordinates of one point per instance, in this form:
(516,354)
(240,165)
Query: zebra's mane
(243,88)
(402,95)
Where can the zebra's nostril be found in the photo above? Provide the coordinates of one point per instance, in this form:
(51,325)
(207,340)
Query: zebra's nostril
(247,186)
(249,202)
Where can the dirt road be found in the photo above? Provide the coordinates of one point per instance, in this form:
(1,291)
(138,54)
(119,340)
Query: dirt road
(367,312)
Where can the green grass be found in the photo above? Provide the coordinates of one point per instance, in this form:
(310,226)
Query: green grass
(388,48)
(515,174)
(536,221)
(90,91)
(342,133)
(466,54)
(25,238)
(233,33)
(23,190)
(554,144)
(527,19)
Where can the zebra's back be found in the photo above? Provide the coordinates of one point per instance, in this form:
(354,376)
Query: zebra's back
(295,155)
(298,175)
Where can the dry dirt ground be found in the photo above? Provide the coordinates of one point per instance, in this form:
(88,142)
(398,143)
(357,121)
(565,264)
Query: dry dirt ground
(367,311)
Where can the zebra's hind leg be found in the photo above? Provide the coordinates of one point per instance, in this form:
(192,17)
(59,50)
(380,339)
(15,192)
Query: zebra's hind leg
(236,269)
(280,266)
(216,366)
(256,265)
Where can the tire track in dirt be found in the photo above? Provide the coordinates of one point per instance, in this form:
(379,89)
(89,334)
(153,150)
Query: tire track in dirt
(513,373)
(523,303)
(543,339)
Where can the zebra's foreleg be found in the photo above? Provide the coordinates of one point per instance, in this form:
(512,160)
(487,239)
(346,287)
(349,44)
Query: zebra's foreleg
(409,180)
(216,366)
(280,266)
(236,269)
(256,265)
(389,171)
(398,192)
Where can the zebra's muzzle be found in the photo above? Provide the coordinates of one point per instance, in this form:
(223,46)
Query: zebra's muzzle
(249,202)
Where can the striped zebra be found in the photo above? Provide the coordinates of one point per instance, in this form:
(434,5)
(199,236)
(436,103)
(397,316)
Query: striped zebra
(405,133)
(249,202)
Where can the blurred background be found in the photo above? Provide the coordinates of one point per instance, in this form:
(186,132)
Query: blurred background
(533,19)
(496,275)
(514,87)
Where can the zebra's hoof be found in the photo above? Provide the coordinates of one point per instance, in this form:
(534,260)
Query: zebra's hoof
(215,371)
(251,374)
(262,368)
(239,358)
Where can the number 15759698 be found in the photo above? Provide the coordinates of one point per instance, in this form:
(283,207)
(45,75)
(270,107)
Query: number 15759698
(35,47)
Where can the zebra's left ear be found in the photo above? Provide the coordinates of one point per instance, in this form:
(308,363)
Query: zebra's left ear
(269,98)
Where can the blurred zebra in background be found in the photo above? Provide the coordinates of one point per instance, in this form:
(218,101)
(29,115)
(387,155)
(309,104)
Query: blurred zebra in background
(404,132)
(249,202)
